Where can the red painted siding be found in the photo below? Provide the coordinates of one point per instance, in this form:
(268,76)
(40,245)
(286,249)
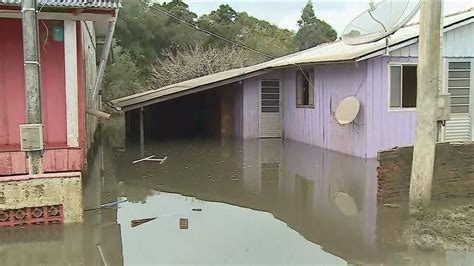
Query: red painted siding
(12,95)
(55,160)
(53,84)
(12,109)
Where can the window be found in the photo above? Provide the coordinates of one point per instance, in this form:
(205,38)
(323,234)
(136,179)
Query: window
(459,85)
(304,88)
(403,86)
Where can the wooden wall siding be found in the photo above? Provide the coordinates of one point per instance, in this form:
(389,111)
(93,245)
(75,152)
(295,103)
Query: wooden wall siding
(89,76)
(12,95)
(12,99)
(317,126)
(55,160)
(250,108)
(385,129)
(457,43)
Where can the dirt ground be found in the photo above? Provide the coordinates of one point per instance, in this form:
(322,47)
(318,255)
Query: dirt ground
(442,229)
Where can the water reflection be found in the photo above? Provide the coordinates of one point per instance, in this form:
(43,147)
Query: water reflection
(97,241)
(264,201)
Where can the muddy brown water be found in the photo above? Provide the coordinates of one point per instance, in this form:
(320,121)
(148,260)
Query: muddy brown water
(255,202)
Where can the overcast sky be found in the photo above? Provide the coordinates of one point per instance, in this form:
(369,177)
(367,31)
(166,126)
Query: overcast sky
(285,13)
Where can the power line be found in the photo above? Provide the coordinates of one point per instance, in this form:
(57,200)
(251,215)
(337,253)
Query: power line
(196,27)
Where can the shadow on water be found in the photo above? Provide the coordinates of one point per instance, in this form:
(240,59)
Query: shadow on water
(260,202)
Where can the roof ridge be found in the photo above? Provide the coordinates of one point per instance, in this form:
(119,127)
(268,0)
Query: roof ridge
(446,16)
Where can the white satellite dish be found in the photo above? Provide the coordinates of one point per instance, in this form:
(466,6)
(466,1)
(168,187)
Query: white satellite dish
(346,204)
(380,21)
(347,110)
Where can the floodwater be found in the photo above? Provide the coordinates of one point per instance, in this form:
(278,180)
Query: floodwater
(256,202)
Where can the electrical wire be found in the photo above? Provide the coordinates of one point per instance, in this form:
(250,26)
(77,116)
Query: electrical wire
(196,27)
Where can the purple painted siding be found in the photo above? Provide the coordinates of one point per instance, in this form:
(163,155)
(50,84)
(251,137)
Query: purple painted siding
(375,128)
(386,128)
(317,126)
(250,108)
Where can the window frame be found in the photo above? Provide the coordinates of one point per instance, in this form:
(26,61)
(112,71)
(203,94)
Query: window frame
(389,81)
(311,84)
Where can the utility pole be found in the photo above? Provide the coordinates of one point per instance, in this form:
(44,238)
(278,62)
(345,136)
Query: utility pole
(426,103)
(32,77)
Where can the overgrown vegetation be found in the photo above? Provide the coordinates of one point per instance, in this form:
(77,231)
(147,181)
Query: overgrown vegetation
(153,50)
(195,61)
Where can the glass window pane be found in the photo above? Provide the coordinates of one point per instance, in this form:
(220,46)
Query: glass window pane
(460,109)
(270,109)
(459,74)
(270,83)
(459,83)
(270,96)
(395,86)
(459,100)
(270,90)
(270,103)
(459,92)
(459,65)
(409,86)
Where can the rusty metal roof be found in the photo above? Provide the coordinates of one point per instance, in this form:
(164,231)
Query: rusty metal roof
(336,51)
(101,4)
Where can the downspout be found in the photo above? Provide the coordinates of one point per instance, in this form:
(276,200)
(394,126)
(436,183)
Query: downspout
(104,56)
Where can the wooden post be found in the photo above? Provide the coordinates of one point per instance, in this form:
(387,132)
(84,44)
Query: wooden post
(426,103)
(142,134)
(32,77)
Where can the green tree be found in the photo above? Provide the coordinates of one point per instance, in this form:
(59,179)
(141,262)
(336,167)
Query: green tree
(145,32)
(312,31)
(122,76)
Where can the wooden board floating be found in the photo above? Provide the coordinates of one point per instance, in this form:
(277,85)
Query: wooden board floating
(138,222)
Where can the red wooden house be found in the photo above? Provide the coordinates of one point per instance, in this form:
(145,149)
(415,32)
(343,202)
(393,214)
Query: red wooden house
(75,38)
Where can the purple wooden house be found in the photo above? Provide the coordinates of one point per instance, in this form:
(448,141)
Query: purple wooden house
(295,96)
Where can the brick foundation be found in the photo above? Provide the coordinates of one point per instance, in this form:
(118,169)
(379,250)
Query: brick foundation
(453,172)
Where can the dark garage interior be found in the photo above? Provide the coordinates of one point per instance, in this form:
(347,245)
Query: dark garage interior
(205,114)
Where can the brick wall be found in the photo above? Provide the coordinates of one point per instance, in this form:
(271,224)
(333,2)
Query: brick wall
(453,173)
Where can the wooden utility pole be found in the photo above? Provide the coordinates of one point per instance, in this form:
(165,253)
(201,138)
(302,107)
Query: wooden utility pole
(426,103)
(32,77)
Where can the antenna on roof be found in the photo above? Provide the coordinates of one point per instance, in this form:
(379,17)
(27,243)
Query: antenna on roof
(379,21)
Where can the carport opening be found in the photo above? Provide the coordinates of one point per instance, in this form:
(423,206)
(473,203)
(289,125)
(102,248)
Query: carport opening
(206,114)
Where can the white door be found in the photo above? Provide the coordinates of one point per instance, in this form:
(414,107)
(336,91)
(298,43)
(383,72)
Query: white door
(270,109)
(459,85)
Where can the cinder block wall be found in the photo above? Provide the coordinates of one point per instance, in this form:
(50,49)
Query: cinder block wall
(64,189)
(453,172)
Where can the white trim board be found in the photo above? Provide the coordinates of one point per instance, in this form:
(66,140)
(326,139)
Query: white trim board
(70,75)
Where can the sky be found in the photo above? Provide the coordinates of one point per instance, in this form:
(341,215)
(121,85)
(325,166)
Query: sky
(285,13)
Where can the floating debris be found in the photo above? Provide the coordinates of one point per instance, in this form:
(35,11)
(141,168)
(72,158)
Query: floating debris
(390,205)
(197,210)
(112,204)
(151,159)
(108,205)
(183,223)
(138,222)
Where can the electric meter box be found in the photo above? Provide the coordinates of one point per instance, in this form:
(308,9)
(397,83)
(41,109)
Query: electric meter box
(31,137)
(443,112)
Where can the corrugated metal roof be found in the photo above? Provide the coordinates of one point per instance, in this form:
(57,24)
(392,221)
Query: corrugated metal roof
(103,4)
(330,52)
